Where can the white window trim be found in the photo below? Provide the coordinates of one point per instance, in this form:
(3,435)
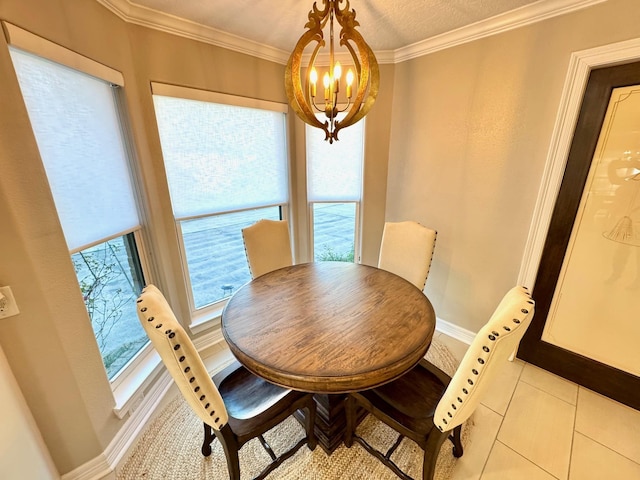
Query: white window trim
(32,43)
(136,378)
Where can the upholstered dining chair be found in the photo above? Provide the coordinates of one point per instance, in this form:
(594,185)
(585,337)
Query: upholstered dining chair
(428,406)
(406,250)
(267,245)
(235,405)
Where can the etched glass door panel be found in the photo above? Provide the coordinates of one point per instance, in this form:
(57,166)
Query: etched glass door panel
(594,311)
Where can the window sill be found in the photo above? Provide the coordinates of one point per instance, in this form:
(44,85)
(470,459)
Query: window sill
(127,394)
(207,320)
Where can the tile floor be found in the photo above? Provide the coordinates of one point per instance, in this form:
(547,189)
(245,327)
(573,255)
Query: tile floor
(537,426)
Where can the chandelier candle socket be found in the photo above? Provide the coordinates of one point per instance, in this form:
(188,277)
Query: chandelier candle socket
(366,77)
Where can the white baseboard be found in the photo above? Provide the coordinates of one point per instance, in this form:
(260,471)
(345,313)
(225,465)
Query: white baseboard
(454,331)
(103,466)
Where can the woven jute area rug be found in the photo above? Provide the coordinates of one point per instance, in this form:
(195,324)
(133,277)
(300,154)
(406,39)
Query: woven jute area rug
(170,446)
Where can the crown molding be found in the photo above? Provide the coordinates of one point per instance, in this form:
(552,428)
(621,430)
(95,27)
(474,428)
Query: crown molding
(164,22)
(517,18)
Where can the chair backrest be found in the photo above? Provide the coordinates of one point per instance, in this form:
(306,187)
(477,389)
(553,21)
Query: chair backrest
(406,250)
(267,246)
(180,357)
(487,354)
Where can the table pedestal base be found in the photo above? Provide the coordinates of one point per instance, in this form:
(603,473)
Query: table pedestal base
(331,420)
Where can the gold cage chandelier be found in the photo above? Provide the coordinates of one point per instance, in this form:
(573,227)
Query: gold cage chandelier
(336,100)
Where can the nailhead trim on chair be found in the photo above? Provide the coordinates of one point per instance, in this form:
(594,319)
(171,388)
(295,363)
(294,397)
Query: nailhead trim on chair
(433,249)
(246,254)
(171,335)
(492,337)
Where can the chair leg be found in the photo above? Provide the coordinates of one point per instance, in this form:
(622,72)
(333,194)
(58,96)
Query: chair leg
(230,446)
(310,424)
(349,408)
(208,439)
(431,450)
(457,442)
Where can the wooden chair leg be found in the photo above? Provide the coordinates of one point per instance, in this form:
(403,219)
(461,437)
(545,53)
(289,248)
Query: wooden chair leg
(431,451)
(457,442)
(208,439)
(349,408)
(230,446)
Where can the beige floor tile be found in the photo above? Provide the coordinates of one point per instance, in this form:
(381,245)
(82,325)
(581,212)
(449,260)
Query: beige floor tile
(593,461)
(539,427)
(610,423)
(486,424)
(456,347)
(499,393)
(506,464)
(550,383)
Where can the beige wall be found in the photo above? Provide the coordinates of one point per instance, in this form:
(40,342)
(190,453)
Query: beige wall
(377,136)
(50,345)
(471,129)
(23,454)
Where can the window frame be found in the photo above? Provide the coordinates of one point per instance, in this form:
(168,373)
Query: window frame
(212,310)
(357,247)
(126,382)
(121,378)
(357,240)
(201,318)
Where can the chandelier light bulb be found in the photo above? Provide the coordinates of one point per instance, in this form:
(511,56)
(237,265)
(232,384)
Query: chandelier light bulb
(350,78)
(326,81)
(313,79)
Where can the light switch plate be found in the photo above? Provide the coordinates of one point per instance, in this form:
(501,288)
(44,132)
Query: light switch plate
(8,306)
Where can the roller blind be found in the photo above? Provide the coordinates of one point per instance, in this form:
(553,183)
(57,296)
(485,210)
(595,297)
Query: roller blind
(75,122)
(334,171)
(221,157)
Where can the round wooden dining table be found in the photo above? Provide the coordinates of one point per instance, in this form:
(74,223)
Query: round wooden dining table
(328,328)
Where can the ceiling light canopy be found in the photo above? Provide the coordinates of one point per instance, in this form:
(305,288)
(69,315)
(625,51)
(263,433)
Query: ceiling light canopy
(352,96)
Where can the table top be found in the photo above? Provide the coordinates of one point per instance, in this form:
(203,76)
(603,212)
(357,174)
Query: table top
(328,327)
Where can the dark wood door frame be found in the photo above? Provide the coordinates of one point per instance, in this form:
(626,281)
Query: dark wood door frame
(602,378)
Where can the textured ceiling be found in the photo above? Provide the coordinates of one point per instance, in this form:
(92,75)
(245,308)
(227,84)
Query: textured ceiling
(385,24)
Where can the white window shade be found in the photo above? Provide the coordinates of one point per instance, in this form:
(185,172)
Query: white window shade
(75,122)
(221,158)
(334,171)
